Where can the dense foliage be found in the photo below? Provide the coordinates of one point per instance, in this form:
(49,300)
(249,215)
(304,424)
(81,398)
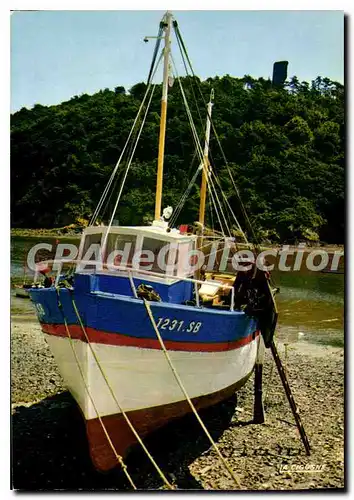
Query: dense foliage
(285,148)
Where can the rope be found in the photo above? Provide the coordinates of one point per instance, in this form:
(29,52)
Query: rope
(179,37)
(228,205)
(179,381)
(118,457)
(211,216)
(161,474)
(215,208)
(200,151)
(219,203)
(190,118)
(183,198)
(109,183)
(105,192)
(127,169)
(187,73)
(197,142)
(156,49)
(217,183)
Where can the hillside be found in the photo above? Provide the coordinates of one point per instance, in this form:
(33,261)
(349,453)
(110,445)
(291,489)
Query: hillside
(285,148)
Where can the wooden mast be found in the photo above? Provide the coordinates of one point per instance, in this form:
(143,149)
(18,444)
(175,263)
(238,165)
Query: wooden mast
(205,172)
(167,21)
(205,165)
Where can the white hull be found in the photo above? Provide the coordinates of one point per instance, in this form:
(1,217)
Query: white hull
(142,378)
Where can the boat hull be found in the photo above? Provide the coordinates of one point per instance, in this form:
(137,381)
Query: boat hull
(144,386)
(213,351)
(144,421)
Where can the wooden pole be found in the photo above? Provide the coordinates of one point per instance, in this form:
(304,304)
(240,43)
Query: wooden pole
(290,397)
(205,164)
(205,170)
(160,159)
(258,410)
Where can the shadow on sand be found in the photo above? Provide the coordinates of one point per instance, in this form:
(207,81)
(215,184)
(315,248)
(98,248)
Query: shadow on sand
(49,449)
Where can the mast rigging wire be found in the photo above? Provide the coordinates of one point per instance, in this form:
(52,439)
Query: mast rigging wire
(105,192)
(201,154)
(179,37)
(183,198)
(198,146)
(180,44)
(127,170)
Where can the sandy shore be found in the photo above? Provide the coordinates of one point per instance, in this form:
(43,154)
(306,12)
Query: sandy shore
(50,450)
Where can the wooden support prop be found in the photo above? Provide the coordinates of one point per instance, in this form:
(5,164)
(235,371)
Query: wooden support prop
(290,397)
(258,411)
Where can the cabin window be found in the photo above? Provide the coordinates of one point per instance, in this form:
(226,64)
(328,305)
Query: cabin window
(150,252)
(91,252)
(120,249)
(91,246)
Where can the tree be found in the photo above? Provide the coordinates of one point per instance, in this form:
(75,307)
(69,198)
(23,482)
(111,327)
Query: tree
(285,148)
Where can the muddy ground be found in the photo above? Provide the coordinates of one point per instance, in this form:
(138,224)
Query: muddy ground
(49,449)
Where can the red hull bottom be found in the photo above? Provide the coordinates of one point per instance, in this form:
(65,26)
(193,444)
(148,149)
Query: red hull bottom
(144,421)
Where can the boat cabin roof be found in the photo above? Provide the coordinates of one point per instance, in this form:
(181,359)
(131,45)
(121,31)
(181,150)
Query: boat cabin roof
(159,230)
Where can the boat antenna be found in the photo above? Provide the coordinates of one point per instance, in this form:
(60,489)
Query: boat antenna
(167,21)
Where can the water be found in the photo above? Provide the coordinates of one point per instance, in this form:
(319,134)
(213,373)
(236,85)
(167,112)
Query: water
(20,247)
(20,273)
(311,304)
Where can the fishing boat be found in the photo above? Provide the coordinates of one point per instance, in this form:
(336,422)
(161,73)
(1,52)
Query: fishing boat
(111,326)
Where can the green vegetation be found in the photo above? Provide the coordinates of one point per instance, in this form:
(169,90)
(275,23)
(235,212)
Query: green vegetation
(285,148)
(64,233)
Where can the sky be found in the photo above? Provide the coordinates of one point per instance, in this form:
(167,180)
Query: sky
(58,54)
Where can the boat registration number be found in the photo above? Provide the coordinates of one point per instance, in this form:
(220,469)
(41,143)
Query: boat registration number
(178,325)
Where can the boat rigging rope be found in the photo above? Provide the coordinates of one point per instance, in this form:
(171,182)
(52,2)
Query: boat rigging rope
(175,26)
(179,38)
(229,206)
(213,247)
(195,137)
(210,181)
(118,457)
(185,195)
(180,44)
(132,428)
(156,49)
(105,192)
(199,148)
(127,169)
(216,210)
(211,216)
(190,118)
(179,381)
(197,142)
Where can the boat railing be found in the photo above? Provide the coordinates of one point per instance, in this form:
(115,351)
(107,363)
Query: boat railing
(138,271)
